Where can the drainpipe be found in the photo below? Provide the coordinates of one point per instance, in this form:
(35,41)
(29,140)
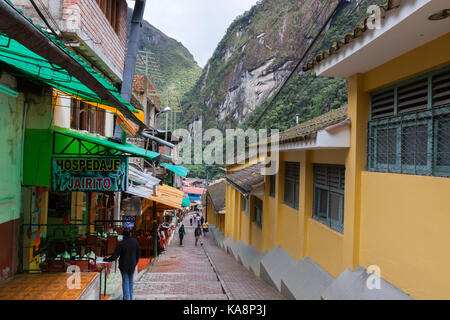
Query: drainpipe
(130,58)
(21,240)
(132,48)
(128,72)
(24,125)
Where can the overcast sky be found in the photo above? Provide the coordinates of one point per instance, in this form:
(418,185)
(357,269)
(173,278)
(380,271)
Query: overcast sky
(198,24)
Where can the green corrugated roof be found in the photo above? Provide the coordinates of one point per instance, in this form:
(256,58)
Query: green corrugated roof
(179,170)
(186,202)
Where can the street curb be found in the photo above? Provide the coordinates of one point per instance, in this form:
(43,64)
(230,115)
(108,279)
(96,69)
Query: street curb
(222,282)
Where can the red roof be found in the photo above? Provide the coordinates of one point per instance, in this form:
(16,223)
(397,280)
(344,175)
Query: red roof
(194,190)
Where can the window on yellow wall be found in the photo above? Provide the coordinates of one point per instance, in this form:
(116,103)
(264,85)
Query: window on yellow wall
(272,185)
(291,184)
(408,127)
(329,185)
(257,211)
(244,204)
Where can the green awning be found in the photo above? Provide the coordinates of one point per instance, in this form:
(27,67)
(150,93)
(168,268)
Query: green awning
(29,64)
(179,170)
(41,145)
(68,142)
(186,202)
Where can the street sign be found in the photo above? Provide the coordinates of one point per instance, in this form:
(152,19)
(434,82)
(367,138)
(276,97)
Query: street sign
(90,174)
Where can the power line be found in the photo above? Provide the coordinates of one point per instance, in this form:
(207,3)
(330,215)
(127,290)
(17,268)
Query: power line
(41,15)
(299,63)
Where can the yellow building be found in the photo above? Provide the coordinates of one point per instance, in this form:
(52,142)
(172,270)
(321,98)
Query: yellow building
(215,205)
(366,185)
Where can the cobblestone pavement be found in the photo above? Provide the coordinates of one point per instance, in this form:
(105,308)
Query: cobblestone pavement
(205,272)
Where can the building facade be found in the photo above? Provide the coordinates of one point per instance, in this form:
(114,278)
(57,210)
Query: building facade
(365,193)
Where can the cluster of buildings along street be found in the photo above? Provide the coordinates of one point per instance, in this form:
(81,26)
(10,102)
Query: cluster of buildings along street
(80,159)
(358,209)
(362,191)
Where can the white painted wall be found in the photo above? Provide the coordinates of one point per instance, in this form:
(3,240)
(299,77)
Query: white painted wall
(109,124)
(338,138)
(61,115)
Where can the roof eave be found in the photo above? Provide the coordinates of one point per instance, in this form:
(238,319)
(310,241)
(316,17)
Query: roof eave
(403,29)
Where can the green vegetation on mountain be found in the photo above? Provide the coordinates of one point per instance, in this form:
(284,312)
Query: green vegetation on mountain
(178,69)
(258,51)
(272,35)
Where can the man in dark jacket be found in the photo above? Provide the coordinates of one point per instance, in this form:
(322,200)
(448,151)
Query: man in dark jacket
(181,233)
(198,235)
(128,250)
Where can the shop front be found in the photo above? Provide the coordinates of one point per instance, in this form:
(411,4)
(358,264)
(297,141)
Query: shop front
(71,180)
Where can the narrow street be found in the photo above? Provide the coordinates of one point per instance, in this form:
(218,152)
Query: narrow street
(200,273)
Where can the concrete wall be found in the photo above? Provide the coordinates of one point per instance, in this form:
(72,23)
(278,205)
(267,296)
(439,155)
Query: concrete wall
(83,22)
(11,133)
(404,231)
(214,218)
(394,221)
(404,218)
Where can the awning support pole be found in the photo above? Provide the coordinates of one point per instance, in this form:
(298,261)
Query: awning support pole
(155,238)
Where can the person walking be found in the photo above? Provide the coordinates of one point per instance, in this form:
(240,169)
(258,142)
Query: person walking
(129,252)
(181,233)
(202,220)
(198,235)
(190,220)
(205,228)
(198,220)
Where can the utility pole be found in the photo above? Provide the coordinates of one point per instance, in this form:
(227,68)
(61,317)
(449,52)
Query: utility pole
(206,197)
(128,72)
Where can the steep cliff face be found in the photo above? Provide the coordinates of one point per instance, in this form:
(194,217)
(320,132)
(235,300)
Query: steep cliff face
(256,54)
(259,50)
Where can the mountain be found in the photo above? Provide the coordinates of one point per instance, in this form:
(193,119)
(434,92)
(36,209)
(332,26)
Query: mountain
(179,71)
(257,53)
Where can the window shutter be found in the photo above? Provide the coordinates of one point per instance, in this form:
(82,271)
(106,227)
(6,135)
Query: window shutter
(413,96)
(441,89)
(320,175)
(333,177)
(330,175)
(293,170)
(272,185)
(383,104)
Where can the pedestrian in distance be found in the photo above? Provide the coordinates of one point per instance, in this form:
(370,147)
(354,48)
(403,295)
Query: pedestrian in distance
(205,228)
(202,220)
(129,252)
(181,233)
(199,224)
(190,220)
(198,235)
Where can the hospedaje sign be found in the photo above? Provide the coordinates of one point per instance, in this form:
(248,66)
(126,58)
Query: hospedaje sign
(90,174)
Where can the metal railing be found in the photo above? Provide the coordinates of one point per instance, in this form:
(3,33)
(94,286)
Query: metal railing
(413,143)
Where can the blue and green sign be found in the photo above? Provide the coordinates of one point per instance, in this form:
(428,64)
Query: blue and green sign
(89,174)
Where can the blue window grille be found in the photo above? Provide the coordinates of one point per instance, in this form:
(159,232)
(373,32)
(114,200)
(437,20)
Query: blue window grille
(409,129)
